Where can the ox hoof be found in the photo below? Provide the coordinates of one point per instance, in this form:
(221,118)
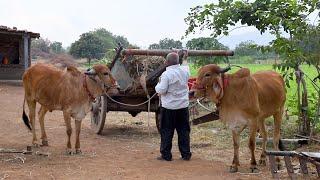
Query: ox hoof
(78,151)
(262,162)
(254,169)
(69,152)
(35,145)
(233,169)
(45,143)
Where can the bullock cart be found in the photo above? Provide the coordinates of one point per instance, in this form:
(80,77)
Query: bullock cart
(137,72)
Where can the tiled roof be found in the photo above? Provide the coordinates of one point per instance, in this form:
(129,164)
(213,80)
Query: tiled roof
(14,30)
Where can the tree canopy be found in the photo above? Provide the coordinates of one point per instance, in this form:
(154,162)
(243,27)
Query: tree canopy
(249,49)
(42,44)
(88,46)
(44,48)
(56,47)
(95,44)
(166,43)
(205,43)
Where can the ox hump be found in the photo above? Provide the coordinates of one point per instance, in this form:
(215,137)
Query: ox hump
(241,73)
(73,70)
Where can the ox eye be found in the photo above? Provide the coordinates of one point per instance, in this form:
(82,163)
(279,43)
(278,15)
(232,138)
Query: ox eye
(106,74)
(206,75)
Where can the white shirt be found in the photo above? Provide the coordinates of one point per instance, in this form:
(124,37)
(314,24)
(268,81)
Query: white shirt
(173,88)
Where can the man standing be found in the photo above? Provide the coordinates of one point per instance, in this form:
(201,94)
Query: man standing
(174,94)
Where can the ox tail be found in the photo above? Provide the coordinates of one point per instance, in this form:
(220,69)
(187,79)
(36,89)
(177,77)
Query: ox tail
(25,117)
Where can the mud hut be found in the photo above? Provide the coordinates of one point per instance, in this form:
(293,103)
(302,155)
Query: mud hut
(14,52)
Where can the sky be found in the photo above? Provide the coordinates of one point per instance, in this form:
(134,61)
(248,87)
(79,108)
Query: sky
(142,22)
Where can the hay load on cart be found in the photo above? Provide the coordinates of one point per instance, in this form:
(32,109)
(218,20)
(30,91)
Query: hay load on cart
(136,72)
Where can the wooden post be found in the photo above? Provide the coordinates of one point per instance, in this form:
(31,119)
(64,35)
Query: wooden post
(29,51)
(26,38)
(273,167)
(289,166)
(304,121)
(303,166)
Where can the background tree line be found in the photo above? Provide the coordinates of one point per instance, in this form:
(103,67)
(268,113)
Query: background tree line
(99,44)
(45,48)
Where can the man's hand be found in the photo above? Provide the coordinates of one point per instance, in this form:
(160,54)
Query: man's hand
(191,94)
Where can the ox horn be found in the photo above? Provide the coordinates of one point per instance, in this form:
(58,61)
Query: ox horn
(224,70)
(90,72)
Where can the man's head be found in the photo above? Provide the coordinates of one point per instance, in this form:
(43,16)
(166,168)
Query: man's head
(172,59)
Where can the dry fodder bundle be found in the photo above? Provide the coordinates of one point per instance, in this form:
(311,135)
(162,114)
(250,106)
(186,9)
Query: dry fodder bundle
(137,68)
(138,65)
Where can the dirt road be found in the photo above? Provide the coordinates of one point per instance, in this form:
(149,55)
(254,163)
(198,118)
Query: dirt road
(125,150)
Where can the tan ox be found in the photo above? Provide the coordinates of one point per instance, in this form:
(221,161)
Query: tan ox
(243,100)
(69,91)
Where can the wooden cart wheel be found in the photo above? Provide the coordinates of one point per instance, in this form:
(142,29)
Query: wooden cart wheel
(98,114)
(158,120)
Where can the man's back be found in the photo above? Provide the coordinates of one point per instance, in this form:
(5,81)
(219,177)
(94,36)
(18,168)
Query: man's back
(173,88)
(174,92)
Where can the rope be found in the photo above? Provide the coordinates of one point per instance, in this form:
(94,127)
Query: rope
(312,82)
(131,105)
(148,96)
(149,104)
(136,105)
(198,101)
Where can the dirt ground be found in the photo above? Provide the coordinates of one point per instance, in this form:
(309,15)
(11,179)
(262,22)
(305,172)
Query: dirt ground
(127,149)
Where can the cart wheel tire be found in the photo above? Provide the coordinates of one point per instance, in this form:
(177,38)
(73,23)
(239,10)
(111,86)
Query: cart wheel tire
(98,114)
(158,120)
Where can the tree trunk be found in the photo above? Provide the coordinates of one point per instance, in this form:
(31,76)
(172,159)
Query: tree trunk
(318,109)
(304,121)
(304,108)
(298,80)
(276,59)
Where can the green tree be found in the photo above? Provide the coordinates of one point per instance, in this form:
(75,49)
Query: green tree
(106,38)
(246,48)
(88,46)
(97,44)
(205,43)
(279,18)
(154,46)
(110,40)
(167,43)
(42,44)
(122,40)
(56,47)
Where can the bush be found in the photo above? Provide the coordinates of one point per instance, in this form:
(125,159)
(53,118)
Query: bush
(242,60)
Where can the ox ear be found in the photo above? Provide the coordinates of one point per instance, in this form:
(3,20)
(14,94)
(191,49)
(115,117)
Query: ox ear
(218,88)
(90,72)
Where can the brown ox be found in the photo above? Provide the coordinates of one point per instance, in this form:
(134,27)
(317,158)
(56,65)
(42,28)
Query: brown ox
(69,91)
(243,100)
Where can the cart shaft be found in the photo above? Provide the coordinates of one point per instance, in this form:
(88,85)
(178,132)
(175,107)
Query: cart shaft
(164,52)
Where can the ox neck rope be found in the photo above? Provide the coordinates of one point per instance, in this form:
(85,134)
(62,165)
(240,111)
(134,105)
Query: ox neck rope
(85,86)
